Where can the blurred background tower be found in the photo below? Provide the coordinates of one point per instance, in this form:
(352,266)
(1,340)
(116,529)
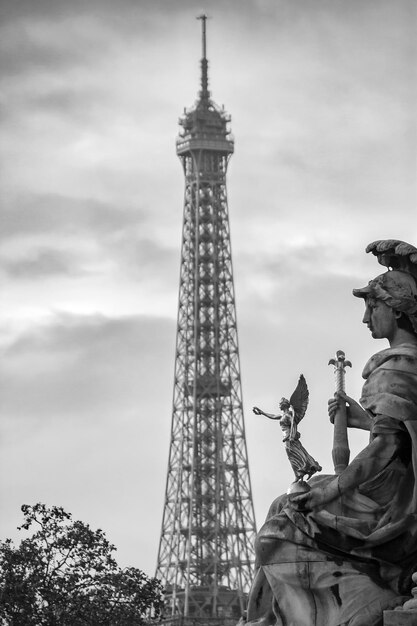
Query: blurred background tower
(206,554)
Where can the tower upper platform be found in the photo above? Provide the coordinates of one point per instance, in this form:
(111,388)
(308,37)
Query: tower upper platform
(205,126)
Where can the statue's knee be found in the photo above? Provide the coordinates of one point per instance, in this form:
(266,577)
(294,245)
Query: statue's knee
(265,547)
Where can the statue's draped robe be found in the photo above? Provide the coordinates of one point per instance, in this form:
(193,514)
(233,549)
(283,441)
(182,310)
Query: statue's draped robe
(301,461)
(346,563)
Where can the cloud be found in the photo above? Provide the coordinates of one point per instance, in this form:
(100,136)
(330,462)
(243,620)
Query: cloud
(142,257)
(40,264)
(38,214)
(290,262)
(30,45)
(337,142)
(82,366)
(54,235)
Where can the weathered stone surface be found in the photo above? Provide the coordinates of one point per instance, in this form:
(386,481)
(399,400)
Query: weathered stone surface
(312,589)
(400,618)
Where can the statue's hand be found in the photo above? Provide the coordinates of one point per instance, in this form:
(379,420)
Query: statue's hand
(356,416)
(257,411)
(316,497)
(333,405)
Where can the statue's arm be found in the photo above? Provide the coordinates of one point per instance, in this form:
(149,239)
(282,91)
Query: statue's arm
(356,416)
(367,464)
(259,411)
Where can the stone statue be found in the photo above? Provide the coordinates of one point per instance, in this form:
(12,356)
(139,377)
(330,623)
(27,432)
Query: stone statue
(343,552)
(293,411)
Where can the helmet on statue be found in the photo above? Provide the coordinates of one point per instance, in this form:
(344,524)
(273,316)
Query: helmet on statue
(398,286)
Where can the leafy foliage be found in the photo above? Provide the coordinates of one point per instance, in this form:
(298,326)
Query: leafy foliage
(65,574)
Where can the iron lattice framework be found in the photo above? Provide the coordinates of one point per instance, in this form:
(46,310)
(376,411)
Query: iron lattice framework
(206,548)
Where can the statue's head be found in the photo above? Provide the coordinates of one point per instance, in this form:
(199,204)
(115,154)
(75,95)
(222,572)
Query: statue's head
(397,288)
(284,404)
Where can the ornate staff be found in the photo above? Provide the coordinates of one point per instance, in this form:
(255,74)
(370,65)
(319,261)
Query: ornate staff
(341,452)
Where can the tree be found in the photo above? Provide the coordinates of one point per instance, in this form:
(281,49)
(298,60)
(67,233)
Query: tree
(65,574)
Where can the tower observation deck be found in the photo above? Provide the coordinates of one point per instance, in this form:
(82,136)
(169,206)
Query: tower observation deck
(206,553)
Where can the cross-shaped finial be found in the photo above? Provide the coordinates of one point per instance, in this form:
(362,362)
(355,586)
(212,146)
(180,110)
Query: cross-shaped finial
(340,363)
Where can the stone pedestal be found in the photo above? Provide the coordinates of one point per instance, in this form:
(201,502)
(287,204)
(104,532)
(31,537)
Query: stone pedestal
(400,618)
(407,615)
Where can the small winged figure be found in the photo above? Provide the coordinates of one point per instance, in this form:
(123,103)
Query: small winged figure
(293,411)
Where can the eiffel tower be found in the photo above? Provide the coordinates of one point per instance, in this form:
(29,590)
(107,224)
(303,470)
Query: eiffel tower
(206,553)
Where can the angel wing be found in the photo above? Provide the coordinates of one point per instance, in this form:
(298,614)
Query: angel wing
(299,399)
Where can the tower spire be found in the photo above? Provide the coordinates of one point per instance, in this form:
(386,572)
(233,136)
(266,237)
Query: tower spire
(205,94)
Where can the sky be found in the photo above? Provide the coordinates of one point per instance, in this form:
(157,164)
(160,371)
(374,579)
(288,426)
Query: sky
(322,95)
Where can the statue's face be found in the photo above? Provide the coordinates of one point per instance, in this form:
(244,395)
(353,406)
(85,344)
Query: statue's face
(380,319)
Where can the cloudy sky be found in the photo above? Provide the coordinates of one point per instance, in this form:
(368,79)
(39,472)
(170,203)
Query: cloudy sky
(322,95)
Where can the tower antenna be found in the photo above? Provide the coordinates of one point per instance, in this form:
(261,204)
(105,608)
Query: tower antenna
(204,62)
